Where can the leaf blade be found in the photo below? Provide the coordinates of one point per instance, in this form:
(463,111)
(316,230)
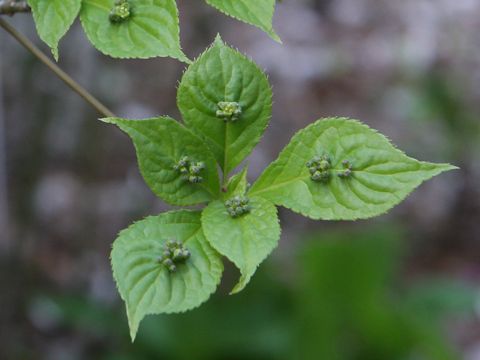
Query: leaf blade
(152,30)
(160,143)
(220,75)
(53,18)
(253,12)
(247,240)
(146,286)
(382,175)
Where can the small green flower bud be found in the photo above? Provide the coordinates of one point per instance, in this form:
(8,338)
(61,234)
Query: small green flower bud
(324,165)
(167,262)
(238,206)
(172,268)
(170,265)
(345,174)
(120,12)
(193,179)
(197,167)
(319,168)
(347,165)
(229,111)
(180,254)
(174,253)
(184,161)
(321,176)
(190,170)
(177,253)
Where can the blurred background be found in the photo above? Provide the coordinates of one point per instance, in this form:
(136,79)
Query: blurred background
(403,286)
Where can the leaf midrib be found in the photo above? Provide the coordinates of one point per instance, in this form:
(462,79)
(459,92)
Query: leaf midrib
(146,138)
(306,177)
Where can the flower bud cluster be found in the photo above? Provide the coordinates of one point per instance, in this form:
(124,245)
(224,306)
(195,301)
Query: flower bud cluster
(229,111)
(174,253)
(120,12)
(238,206)
(347,172)
(190,170)
(319,168)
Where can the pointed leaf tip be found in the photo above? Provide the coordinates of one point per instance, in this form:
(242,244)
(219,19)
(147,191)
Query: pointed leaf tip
(143,277)
(218,40)
(161,143)
(253,12)
(53,18)
(340,169)
(247,239)
(214,105)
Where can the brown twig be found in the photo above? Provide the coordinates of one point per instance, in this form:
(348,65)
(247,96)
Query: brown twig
(102,109)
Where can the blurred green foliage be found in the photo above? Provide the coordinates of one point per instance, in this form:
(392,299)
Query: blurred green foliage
(338,304)
(348,309)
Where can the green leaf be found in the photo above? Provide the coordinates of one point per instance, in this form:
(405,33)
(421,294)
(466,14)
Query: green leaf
(151,30)
(254,12)
(160,144)
(221,74)
(146,286)
(246,240)
(237,185)
(53,18)
(381,177)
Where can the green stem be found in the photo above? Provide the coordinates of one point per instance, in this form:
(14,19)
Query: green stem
(102,109)
(224,172)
